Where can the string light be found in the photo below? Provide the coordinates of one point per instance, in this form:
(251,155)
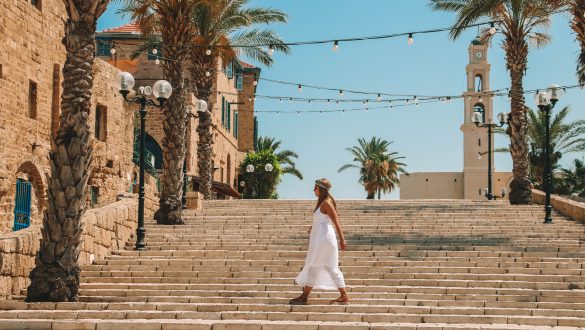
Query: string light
(157,61)
(208,51)
(207,73)
(154,51)
(255,83)
(410,39)
(492,28)
(340,93)
(271,50)
(336,46)
(300,88)
(113,50)
(379,98)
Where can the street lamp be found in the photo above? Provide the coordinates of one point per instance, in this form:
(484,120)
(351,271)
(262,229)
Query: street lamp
(161,90)
(546,101)
(477,119)
(250,169)
(201,107)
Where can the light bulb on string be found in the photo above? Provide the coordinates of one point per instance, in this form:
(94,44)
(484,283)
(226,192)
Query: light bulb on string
(336,46)
(157,61)
(300,88)
(309,101)
(207,73)
(415,100)
(379,98)
(340,93)
(492,28)
(113,50)
(271,50)
(410,39)
(154,51)
(480,99)
(255,83)
(280,100)
(208,51)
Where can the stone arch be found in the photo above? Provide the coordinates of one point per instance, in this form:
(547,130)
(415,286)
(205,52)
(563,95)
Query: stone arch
(29,171)
(479,107)
(478,82)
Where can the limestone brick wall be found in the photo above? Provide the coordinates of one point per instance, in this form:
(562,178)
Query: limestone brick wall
(112,169)
(31,54)
(107,228)
(570,208)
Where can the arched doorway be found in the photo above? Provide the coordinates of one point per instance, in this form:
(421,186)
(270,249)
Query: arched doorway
(30,197)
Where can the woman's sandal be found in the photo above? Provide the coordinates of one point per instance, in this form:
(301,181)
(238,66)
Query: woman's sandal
(340,301)
(297,301)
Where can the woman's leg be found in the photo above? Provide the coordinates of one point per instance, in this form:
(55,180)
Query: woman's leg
(303,297)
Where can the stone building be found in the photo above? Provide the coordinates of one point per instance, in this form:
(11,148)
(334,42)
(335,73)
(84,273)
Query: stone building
(31,61)
(471,183)
(234,123)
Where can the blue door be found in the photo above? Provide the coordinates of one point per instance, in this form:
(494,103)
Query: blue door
(22,205)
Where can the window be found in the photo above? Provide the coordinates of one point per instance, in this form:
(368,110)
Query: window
(222,111)
(479,82)
(32,99)
(1,75)
(229,116)
(230,70)
(479,142)
(239,82)
(55,99)
(236,123)
(36,3)
(101,122)
(153,57)
(94,194)
(103,47)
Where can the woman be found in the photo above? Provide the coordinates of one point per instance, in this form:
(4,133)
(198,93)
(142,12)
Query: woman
(321,270)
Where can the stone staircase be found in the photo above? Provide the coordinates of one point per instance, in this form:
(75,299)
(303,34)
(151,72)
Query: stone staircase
(409,265)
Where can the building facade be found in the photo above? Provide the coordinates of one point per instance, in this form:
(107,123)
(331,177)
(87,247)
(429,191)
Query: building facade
(31,61)
(232,101)
(472,182)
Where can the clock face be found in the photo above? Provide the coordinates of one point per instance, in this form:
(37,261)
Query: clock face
(478,55)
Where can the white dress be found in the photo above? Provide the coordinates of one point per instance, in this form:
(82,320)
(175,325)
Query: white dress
(321,269)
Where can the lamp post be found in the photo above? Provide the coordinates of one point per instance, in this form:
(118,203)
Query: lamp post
(546,101)
(477,118)
(250,169)
(201,107)
(161,90)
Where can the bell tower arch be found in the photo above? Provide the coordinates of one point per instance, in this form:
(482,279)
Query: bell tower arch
(476,99)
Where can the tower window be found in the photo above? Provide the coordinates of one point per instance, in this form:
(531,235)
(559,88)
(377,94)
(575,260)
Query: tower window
(32,99)
(1,75)
(479,82)
(101,122)
(479,142)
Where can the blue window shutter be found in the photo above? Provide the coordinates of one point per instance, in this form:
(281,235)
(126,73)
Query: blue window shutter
(223,111)
(229,117)
(230,70)
(239,82)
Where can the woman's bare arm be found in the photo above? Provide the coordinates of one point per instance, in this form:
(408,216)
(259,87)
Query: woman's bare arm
(328,208)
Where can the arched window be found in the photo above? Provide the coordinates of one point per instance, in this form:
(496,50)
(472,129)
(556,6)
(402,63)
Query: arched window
(479,108)
(479,83)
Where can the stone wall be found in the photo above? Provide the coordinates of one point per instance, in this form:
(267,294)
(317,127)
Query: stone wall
(107,228)
(570,208)
(31,59)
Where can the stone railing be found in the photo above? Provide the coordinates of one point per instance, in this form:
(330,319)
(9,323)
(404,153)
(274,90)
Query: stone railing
(565,206)
(107,228)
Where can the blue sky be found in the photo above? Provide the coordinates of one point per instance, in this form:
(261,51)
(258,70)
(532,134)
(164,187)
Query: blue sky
(428,135)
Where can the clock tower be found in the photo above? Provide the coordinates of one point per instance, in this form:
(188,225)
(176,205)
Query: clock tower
(474,138)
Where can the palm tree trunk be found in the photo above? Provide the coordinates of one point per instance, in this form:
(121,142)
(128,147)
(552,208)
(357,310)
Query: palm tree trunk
(578,26)
(201,64)
(174,148)
(56,273)
(516,58)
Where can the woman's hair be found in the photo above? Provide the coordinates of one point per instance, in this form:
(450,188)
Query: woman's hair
(324,185)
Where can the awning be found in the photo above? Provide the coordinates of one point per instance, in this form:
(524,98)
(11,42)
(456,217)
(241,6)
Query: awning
(219,187)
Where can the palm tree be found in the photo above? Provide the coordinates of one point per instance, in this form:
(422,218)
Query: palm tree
(285,157)
(222,26)
(378,168)
(56,273)
(170,21)
(518,21)
(572,180)
(566,137)
(577,10)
